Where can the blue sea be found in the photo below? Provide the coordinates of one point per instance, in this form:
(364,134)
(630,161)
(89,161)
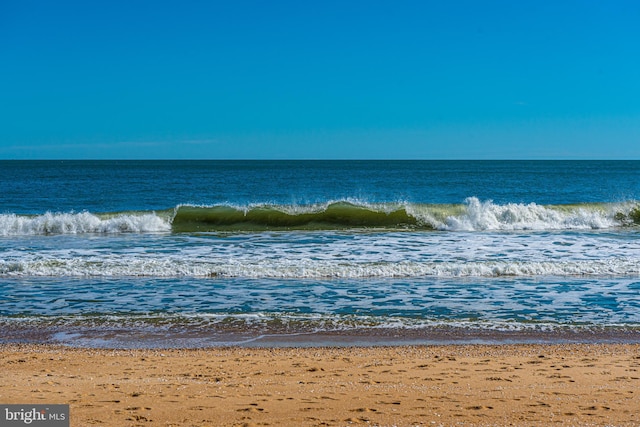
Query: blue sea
(124,254)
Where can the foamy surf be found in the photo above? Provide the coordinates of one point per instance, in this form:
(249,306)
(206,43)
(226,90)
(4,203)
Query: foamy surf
(81,223)
(132,266)
(488,216)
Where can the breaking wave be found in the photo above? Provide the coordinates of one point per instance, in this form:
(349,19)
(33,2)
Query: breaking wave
(472,215)
(81,223)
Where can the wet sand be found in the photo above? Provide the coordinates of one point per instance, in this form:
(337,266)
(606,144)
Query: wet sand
(470,385)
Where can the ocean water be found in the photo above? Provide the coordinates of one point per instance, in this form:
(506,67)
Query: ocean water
(207,253)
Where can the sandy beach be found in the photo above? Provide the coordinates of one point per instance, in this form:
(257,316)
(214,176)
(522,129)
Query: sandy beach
(471,385)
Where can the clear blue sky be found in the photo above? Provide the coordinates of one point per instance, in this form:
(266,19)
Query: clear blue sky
(320,79)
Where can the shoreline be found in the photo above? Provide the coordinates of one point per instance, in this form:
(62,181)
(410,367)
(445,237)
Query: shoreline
(425,385)
(194,337)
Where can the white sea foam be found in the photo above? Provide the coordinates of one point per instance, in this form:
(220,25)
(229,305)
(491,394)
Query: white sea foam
(329,254)
(483,216)
(79,223)
(138,267)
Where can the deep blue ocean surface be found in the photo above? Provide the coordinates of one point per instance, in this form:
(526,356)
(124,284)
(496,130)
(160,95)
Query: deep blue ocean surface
(199,253)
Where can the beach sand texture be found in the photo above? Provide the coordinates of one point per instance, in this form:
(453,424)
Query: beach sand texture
(470,385)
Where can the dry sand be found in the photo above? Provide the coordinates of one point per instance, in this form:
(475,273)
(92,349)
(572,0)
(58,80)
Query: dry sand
(522,385)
